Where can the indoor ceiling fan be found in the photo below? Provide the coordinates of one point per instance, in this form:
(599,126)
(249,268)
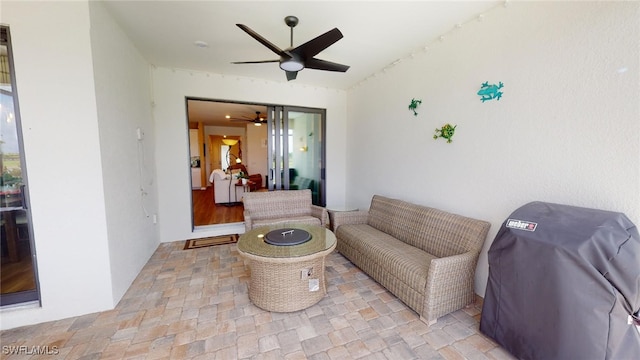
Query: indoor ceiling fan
(295,59)
(258,120)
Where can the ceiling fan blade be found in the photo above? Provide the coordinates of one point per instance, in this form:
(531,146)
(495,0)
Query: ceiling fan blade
(255,62)
(263,41)
(291,75)
(314,46)
(318,64)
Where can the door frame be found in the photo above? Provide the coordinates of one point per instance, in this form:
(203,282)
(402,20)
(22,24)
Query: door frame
(204,165)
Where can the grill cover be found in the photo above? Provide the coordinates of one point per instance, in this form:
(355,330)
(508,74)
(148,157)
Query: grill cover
(563,282)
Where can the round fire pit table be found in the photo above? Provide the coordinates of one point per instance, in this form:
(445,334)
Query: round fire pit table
(285,277)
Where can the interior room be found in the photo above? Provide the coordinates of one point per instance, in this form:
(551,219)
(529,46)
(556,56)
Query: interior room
(212,124)
(475,108)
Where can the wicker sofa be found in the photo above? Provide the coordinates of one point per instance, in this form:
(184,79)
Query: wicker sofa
(282,207)
(424,256)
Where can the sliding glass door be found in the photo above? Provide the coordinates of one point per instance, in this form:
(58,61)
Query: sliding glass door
(18,266)
(297,156)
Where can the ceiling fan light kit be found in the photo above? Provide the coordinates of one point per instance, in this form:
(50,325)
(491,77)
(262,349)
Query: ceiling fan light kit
(295,59)
(291,65)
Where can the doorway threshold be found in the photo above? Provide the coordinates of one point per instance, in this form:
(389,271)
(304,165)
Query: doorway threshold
(218,229)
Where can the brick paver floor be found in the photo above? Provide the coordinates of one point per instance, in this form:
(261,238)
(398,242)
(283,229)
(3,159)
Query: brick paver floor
(193,304)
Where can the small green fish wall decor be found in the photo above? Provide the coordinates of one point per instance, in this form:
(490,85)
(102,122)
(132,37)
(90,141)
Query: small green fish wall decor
(490,92)
(414,105)
(446,132)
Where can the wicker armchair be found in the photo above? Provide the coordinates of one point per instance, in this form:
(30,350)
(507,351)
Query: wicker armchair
(282,207)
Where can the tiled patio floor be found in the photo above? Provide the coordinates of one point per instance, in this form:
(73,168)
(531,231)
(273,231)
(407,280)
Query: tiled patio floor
(193,304)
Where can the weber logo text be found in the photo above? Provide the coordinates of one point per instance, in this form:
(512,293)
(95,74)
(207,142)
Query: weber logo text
(521,225)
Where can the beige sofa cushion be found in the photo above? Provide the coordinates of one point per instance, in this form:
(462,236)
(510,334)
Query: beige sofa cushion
(435,231)
(278,204)
(398,266)
(306,220)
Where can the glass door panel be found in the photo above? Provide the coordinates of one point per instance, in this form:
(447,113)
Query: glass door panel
(305,153)
(18,269)
(299,156)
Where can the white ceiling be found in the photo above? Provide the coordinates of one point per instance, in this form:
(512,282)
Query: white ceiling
(376,33)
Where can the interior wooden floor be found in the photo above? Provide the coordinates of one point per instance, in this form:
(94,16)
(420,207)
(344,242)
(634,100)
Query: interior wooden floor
(19,275)
(206,212)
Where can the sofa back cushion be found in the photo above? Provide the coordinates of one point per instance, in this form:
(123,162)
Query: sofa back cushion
(217,175)
(437,232)
(277,204)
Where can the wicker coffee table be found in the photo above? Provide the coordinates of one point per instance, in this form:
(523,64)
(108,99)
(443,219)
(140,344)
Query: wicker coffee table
(286,278)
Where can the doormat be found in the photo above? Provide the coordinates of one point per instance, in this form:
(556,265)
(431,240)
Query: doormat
(210,241)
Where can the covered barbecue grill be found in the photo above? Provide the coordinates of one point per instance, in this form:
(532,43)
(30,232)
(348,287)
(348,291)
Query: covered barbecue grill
(564,283)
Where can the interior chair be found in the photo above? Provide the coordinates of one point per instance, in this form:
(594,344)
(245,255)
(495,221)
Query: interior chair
(255,180)
(293,174)
(282,207)
(302,183)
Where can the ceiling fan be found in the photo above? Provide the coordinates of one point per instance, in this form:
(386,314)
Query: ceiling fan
(258,120)
(295,59)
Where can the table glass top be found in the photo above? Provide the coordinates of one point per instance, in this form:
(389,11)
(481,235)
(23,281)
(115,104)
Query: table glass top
(253,242)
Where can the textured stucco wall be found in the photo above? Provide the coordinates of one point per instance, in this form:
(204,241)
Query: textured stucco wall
(565,131)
